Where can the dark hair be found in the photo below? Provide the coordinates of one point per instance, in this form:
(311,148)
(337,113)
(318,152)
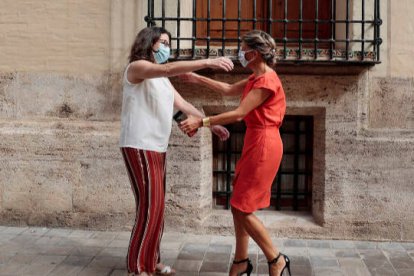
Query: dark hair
(263,43)
(145,39)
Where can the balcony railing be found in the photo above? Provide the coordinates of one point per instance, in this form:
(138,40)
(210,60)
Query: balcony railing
(306,31)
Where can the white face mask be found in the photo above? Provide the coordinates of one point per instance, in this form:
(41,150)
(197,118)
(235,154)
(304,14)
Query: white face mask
(242,58)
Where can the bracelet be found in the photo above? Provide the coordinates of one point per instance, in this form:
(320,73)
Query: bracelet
(206,122)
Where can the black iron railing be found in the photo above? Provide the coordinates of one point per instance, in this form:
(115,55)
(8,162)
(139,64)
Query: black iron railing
(304,30)
(292,187)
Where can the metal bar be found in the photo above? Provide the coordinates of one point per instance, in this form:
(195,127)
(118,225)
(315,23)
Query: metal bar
(378,33)
(269,17)
(223,28)
(300,27)
(178,28)
(238,25)
(347,31)
(208,28)
(316,29)
(194,20)
(333,31)
(363,31)
(163,13)
(254,14)
(285,29)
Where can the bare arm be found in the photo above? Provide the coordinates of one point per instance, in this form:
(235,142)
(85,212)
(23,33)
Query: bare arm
(185,106)
(254,99)
(143,69)
(181,104)
(222,87)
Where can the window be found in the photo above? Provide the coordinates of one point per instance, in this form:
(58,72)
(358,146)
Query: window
(323,31)
(292,187)
(300,17)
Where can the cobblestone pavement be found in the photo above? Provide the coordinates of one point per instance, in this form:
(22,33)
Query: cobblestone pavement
(45,251)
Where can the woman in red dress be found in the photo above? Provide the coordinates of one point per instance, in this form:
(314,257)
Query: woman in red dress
(262,107)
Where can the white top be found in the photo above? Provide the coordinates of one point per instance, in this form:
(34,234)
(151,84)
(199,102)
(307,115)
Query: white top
(147,110)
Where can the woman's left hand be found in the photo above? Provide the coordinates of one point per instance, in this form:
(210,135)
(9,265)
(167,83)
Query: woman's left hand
(221,132)
(190,124)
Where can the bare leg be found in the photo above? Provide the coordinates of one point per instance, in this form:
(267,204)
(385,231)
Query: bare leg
(255,228)
(242,246)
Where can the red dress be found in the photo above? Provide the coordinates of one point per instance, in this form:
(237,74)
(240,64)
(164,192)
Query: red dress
(263,149)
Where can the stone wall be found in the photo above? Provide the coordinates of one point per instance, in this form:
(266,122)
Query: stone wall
(60,98)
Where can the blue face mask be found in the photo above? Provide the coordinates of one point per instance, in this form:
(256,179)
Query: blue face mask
(162,55)
(242,58)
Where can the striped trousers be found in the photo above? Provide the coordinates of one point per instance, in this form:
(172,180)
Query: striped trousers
(146,170)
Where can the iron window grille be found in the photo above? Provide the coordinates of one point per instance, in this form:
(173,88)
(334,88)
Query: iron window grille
(353,33)
(292,187)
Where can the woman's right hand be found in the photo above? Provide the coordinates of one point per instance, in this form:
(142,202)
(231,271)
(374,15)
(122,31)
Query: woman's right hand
(220,63)
(189,77)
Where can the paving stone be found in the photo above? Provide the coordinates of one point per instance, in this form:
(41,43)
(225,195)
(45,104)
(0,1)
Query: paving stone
(391,246)
(214,267)
(293,251)
(171,245)
(220,248)
(294,243)
(318,244)
(346,253)
(95,271)
(16,264)
(328,271)
(217,257)
(321,261)
(114,252)
(58,250)
(119,272)
(229,240)
(193,251)
(299,261)
(376,262)
(119,243)
(123,236)
(109,261)
(399,259)
(408,245)
(168,254)
(72,265)
(42,265)
(188,273)
(353,266)
(5,258)
(321,252)
(406,272)
(187,265)
(104,235)
(213,274)
(85,251)
(365,245)
(36,231)
(337,244)
(58,233)
(205,239)
(299,270)
(81,234)
(14,230)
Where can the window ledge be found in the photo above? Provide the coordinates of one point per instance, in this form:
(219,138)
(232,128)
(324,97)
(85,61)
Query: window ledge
(287,223)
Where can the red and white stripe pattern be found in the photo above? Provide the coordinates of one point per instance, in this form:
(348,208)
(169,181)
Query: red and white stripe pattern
(146,170)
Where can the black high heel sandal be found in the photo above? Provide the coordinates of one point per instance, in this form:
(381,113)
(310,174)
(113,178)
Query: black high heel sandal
(249,268)
(287,265)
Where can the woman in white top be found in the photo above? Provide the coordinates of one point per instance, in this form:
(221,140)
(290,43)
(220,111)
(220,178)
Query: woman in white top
(147,111)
